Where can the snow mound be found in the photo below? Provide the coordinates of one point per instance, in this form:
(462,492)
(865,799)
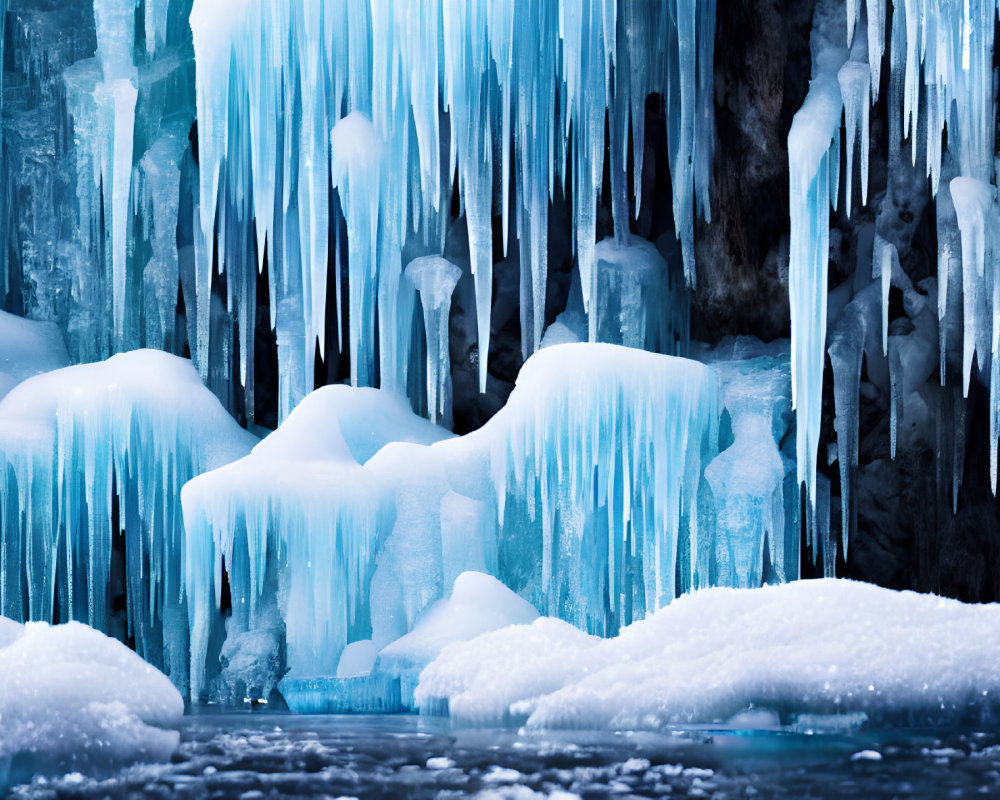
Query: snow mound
(370,418)
(479,603)
(74,699)
(810,647)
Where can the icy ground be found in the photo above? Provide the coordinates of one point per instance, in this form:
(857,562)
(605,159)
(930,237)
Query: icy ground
(270,755)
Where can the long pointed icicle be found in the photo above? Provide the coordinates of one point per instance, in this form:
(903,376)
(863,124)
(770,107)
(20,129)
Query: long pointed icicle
(813,148)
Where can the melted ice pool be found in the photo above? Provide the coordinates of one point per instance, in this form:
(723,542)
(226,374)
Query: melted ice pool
(253,756)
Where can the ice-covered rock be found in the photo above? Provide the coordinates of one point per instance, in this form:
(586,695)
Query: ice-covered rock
(809,647)
(73,699)
(573,495)
(299,517)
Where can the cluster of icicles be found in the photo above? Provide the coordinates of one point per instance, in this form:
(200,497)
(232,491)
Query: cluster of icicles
(527,86)
(941,89)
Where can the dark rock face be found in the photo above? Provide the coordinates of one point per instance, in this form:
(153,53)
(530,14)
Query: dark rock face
(762,69)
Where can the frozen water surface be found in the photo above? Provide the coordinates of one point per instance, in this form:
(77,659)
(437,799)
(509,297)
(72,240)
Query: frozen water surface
(270,755)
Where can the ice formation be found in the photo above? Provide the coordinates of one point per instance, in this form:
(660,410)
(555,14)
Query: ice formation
(435,280)
(299,517)
(638,302)
(814,174)
(566,495)
(92,107)
(527,86)
(91,452)
(74,699)
(809,647)
(755,512)
(941,101)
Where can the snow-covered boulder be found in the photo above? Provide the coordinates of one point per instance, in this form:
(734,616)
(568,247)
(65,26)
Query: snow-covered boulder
(73,699)
(811,647)
(478,603)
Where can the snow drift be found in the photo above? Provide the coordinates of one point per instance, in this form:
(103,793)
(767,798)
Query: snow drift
(810,647)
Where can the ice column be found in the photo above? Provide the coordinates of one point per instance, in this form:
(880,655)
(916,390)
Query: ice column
(749,503)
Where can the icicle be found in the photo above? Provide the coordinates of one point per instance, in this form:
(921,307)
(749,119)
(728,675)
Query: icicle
(855,87)
(435,279)
(357,165)
(973,201)
(884,260)
(813,143)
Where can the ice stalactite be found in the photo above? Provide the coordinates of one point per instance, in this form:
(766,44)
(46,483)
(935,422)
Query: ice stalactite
(526,86)
(435,280)
(978,220)
(814,169)
(855,333)
(973,201)
(854,78)
(357,175)
(885,259)
(88,448)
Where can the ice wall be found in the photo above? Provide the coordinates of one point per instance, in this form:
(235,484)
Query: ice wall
(581,494)
(92,460)
(92,104)
(526,85)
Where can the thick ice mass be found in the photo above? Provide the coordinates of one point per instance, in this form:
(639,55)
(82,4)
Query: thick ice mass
(809,647)
(567,496)
(93,451)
